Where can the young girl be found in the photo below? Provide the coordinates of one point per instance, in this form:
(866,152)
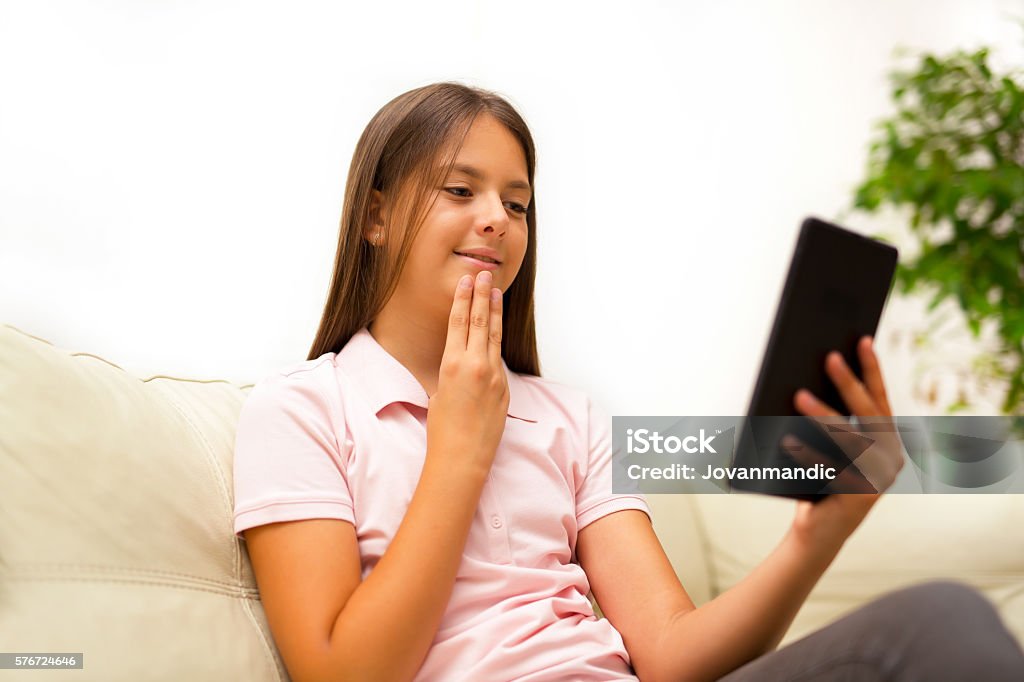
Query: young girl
(418,503)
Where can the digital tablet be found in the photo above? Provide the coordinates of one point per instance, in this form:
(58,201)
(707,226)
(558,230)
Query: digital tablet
(834,293)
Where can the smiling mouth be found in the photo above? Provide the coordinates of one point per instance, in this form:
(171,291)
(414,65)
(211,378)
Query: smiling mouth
(483,259)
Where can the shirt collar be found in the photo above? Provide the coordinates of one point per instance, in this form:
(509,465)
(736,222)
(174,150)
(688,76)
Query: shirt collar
(386,380)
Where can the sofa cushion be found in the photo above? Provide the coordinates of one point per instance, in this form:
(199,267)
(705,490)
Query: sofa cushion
(116,520)
(905,539)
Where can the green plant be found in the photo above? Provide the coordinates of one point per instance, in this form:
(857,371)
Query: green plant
(953,155)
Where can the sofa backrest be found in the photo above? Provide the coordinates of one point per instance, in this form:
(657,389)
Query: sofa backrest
(116,533)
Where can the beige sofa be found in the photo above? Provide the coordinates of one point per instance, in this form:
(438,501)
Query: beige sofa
(116,529)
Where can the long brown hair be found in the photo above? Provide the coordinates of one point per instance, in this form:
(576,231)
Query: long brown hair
(407,148)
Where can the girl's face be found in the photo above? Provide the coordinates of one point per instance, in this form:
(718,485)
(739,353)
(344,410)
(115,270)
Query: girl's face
(481,208)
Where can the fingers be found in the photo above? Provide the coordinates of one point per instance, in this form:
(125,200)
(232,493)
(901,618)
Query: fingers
(876,457)
(480,315)
(861,399)
(494,347)
(847,479)
(831,423)
(835,425)
(805,403)
(458,320)
(855,394)
(474,324)
(873,375)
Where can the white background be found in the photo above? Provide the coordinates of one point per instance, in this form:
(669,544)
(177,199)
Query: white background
(171,173)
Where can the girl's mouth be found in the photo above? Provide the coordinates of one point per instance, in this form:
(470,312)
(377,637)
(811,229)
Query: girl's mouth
(477,262)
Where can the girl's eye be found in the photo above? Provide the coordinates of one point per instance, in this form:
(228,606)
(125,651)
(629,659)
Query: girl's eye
(465,192)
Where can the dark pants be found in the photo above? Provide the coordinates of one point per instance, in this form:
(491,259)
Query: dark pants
(931,632)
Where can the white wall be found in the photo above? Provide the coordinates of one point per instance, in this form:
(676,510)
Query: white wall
(171,173)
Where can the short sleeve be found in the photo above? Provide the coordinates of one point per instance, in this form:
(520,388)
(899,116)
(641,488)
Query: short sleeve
(595,498)
(287,462)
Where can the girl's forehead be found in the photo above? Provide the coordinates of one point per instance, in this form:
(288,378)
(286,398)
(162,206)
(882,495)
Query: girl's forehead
(488,148)
(514,172)
(508,164)
(487,131)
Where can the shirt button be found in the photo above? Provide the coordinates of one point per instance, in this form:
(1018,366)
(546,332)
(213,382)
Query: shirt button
(496,521)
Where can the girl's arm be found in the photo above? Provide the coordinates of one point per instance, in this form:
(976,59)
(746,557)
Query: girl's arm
(637,589)
(667,638)
(330,625)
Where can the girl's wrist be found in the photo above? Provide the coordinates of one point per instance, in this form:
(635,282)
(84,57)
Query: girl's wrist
(813,558)
(815,542)
(830,521)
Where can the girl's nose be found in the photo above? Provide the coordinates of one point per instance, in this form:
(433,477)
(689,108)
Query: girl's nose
(494,219)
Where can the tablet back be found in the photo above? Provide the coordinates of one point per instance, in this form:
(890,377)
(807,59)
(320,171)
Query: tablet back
(834,294)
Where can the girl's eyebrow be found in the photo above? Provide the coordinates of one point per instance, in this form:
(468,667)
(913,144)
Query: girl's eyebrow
(474,173)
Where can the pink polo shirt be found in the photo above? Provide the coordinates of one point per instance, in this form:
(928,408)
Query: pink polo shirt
(344,437)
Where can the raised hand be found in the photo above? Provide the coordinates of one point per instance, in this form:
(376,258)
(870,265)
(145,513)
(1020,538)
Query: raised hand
(466,416)
(874,448)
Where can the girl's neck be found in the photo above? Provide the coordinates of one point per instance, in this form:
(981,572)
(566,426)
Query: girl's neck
(415,341)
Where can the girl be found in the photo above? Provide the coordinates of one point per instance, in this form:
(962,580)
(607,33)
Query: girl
(418,503)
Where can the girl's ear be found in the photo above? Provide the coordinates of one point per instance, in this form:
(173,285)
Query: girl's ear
(377,214)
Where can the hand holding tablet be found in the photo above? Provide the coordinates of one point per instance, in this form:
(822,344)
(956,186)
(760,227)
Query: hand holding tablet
(834,294)
(872,446)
